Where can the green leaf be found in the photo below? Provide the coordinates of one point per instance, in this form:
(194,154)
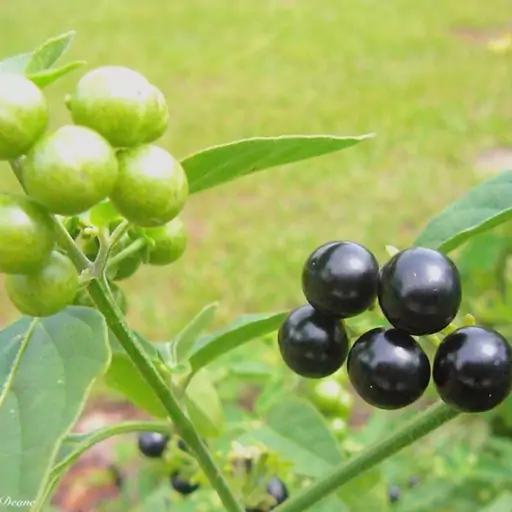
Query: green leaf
(122,376)
(501,504)
(49,52)
(372,486)
(204,406)
(295,430)
(47,77)
(220,164)
(47,369)
(242,330)
(482,208)
(16,63)
(184,341)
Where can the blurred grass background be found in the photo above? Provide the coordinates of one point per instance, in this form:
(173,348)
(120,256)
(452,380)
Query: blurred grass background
(418,74)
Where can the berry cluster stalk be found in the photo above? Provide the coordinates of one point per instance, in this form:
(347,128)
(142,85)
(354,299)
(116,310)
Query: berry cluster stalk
(100,293)
(413,430)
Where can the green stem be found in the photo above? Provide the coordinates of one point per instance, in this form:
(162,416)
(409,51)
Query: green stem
(106,244)
(104,301)
(413,430)
(89,439)
(101,295)
(133,248)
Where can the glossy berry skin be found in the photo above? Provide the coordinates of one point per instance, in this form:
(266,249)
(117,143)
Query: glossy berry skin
(169,242)
(121,105)
(70,170)
(47,290)
(152,444)
(151,188)
(182,486)
(23,115)
(278,490)
(312,344)
(419,291)
(26,235)
(473,369)
(388,368)
(341,278)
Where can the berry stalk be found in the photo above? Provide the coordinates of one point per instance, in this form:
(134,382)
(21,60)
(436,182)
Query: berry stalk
(416,428)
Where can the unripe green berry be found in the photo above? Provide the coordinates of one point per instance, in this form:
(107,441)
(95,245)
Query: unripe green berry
(26,235)
(70,170)
(47,290)
(23,115)
(151,188)
(170,242)
(120,104)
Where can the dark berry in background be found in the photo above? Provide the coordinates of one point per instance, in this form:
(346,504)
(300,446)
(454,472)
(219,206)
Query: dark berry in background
(419,291)
(394,494)
(388,368)
(341,278)
(473,369)
(312,344)
(152,444)
(182,486)
(277,489)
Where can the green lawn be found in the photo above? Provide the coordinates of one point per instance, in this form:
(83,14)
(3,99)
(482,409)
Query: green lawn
(234,69)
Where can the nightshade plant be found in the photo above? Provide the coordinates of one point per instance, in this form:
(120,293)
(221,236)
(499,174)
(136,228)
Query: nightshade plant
(101,199)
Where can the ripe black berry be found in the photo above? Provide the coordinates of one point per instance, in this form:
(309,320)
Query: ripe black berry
(473,369)
(419,291)
(181,486)
(394,494)
(312,344)
(388,368)
(152,444)
(277,489)
(341,278)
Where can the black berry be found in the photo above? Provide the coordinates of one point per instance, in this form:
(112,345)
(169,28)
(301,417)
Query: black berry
(341,278)
(394,494)
(277,489)
(419,291)
(183,446)
(152,444)
(388,368)
(473,369)
(413,481)
(182,486)
(312,344)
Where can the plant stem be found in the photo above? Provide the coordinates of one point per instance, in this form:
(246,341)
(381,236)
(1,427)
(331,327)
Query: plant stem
(106,244)
(413,430)
(133,248)
(115,320)
(101,295)
(89,439)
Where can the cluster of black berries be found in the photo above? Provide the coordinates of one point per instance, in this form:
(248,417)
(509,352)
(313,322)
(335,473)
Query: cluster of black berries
(154,444)
(419,292)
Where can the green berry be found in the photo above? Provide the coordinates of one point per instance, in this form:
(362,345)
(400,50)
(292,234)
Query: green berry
(151,188)
(47,290)
(170,242)
(120,104)
(23,115)
(26,235)
(70,170)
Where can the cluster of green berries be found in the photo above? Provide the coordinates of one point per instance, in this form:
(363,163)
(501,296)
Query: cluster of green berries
(107,154)
(154,444)
(419,293)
